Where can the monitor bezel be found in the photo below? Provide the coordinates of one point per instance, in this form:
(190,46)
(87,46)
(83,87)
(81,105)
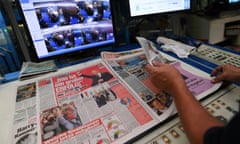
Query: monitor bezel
(233,5)
(81,54)
(155,14)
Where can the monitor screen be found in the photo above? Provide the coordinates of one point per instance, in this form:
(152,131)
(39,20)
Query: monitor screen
(234,6)
(233,1)
(148,7)
(57,27)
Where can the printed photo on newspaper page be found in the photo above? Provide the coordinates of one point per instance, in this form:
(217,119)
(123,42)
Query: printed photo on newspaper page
(89,105)
(130,67)
(24,128)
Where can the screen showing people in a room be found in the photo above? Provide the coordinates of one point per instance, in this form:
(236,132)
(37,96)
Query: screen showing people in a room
(62,26)
(147,7)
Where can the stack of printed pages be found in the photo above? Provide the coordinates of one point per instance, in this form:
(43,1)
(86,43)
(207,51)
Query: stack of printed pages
(34,69)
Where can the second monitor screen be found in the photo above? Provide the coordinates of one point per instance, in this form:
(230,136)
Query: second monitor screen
(148,7)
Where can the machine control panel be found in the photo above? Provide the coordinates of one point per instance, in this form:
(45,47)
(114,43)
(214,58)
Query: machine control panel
(223,104)
(216,55)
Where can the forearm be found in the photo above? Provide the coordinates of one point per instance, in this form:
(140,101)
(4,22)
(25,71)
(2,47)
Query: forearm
(194,118)
(238,76)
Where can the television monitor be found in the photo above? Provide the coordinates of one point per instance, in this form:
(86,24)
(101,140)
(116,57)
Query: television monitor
(233,1)
(234,4)
(60,27)
(149,7)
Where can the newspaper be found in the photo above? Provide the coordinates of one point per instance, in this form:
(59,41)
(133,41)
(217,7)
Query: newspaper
(32,69)
(152,54)
(25,118)
(199,85)
(109,100)
(130,67)
(81,106)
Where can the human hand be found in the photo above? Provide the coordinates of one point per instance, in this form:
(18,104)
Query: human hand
(166,78)
(226,72)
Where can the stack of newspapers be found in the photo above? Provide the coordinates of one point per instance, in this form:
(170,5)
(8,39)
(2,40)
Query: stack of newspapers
(32,69)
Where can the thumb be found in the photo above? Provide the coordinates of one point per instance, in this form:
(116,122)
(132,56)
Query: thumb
(157,64)
(217,79)
(149,68)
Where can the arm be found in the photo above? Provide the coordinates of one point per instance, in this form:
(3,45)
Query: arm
(194,118)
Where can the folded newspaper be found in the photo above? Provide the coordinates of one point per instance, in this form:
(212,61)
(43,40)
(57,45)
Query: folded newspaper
(32,69)
(151,52)
(110,100)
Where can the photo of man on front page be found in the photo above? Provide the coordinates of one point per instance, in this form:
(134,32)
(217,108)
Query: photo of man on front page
(89,105)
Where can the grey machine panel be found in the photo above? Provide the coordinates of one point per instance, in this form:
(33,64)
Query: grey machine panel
(216,55)
(223,104)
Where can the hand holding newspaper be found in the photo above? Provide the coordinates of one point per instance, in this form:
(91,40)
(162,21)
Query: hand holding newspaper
(151,52)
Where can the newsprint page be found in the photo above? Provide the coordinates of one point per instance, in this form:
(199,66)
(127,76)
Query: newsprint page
(104,101)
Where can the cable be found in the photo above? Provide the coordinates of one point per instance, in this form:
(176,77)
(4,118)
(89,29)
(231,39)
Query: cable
(5,60)
(11,55)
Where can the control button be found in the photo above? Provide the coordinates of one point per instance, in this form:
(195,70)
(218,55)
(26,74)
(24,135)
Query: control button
(218,56)
(181,128)
(221,102)
(221,118)
(231,110)
(215,106)
(210,110)
(174,133)
(166,139)
(223,58)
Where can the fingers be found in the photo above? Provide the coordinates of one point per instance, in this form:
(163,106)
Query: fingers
(217,79)
(150,68)
(217,70)
(219,73)
(157,64)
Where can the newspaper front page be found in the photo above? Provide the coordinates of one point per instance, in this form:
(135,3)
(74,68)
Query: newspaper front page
(89,105)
